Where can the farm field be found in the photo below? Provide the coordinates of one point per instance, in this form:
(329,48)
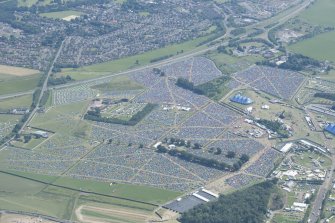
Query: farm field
(13,84)
(19,193)
(17,71)
(21,102)
(320,47)
(320,7)
(118,83)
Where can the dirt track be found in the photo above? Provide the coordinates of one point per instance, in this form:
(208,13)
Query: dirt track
(119,213)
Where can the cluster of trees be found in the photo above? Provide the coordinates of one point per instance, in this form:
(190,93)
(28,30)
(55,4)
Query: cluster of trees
(7,10)
(159,72)
(214,89)
(296,62)
(274,126)
(161,58)
(188,85)
(238,31)
(52,81)
(211,163)
(329,96)
(44,98)
(249,205)
(235,42)
(95,115)
(256,32)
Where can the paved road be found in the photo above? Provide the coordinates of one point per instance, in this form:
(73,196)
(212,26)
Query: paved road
(44,87)
(321,195)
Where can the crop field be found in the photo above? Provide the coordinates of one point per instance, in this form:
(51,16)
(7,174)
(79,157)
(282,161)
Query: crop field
(26,194)
(13,84)
(17,71)
(21,102)
(324,7)
(320,47)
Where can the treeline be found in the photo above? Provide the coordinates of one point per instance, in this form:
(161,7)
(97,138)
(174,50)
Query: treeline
(329,96)
(188,85)
(161,58)
(249,206)
(136,118)
(296,62)
(235,42)
(211,163)
(52,81)
(256,33)
(238,31)
(214,89)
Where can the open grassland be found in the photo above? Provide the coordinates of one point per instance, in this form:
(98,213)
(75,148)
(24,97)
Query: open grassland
(9,118)
(230,64)
(12,84)
(320,13)
(33,194)
(21,102)
(30,145)
(136,192)
(123,64)
(118,83)
(61,14)
(17,71)
(321,47)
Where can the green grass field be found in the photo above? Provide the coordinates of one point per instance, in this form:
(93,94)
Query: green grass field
(321,47)
(10,118)
(320,13)
(61,14)
(137,192)
(118,83)
(21,101)
(12,84)
(17,193)
(30,145)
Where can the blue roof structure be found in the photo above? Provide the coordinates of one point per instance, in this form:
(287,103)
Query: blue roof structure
(241,99)
(330,128)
